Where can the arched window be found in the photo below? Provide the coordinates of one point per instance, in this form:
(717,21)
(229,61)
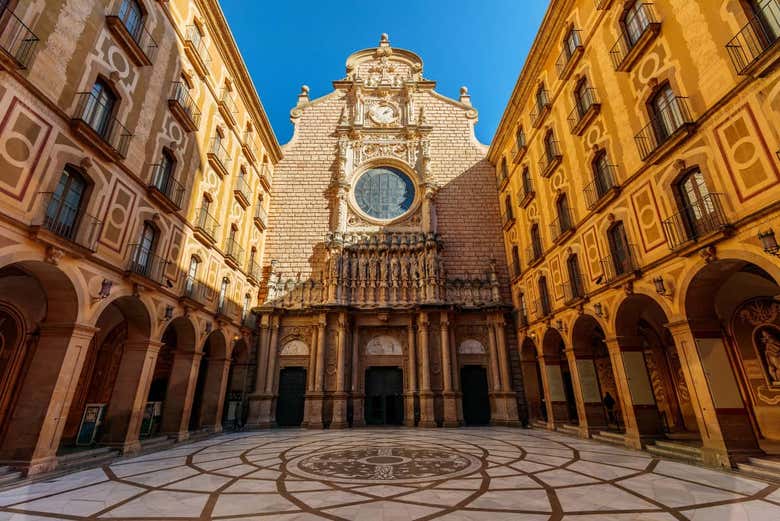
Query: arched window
(144,252)
(635,21)
(132,15)
(65,203)
(223,289)
(252,255)
(504,169)
(99,109)
(767,12)
(619,248)
(699,207)
(515,261)
(247,306)
(165,172)
(666,113)
(523,305)
(536,241)
(544,296)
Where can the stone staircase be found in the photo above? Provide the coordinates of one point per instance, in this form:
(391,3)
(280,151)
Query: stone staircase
(684,451)
(571,430)
(86,458)
(765,468)
(540,424)
(614,438)
(9,475)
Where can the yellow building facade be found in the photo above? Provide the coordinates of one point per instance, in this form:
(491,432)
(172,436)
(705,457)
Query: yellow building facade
(136,165)
(637,163)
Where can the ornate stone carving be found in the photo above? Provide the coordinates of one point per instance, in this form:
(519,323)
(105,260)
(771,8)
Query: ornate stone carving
(471,346)
(295,348)
(384,345)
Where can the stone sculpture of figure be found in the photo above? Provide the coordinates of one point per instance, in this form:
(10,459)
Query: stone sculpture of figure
(431,263)
(345,267)
(771,353)
(354,268)
(381,271)
(395,271)
(372,262)
(421,266)
(362,268)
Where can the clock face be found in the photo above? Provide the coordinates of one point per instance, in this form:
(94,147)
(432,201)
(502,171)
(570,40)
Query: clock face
(383,113)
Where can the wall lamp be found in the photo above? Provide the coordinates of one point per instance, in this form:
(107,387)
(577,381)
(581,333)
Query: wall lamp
(600,310)
(105,288)
(769,242)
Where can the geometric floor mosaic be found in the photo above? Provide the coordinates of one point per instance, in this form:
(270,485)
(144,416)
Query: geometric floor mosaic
(491,474)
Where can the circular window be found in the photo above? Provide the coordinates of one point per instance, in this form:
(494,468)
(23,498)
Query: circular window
(384,193)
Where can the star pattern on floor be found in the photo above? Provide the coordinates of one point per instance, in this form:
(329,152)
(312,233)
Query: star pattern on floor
(492,474)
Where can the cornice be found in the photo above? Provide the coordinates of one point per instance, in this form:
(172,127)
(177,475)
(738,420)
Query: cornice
(222,36)
(553,21)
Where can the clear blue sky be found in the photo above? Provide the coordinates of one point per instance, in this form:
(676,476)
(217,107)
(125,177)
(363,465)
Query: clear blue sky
(478,43)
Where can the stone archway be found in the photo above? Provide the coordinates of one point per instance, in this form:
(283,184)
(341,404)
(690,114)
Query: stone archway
(239,386)
(734,321)
(210,384)
(532,382)
(559,379)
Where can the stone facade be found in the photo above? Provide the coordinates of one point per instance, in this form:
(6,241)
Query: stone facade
(638,168)
(362,291)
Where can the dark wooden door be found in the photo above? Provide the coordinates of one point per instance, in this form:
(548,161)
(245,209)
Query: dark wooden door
(384,396)
(476,403)
(292,392)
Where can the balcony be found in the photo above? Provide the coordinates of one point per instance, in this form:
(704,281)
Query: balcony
(254,273)
(242,192)
(515,270)
(261,217)
(507,220)
(227,107)
(602,189)
(250,146)
(543,308)
(521,319)
(667,129)
(585,111)
(196,51)
(234,254)
(55,219)
(265,176)
(166,190)
(697,225)
(526,193)
(534,254)
(248,320)
(205,227)
(99,128)
(218,157)
(227,310)
(569,56)
(519,150)
(543,107)
(562,227)
(753,49)
(17,41)
(551,160)
(183,106)
(637,32)
(194,293)
(145,264)
(574,291)
(133,36)
(620,265)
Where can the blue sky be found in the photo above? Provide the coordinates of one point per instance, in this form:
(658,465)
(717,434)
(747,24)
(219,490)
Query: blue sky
(478,43)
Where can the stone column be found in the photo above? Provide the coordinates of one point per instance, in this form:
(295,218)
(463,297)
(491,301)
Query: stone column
(508,396)
(411,377)
(546,390)
(317,395)
(632,435)
(340,397)
(261,410)
(217,370)
(358,410)
(579,399)
(179,394)
(33,436)
(427,418)
(125,410)
(450,397)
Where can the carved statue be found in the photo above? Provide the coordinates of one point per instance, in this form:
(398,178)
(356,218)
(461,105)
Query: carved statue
(771,348)
(395,271)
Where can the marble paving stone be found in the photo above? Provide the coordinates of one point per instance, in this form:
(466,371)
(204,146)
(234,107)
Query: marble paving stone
(563,477)
(447,498)
(384,490)
(240,504)
(675,492)
(467,515)
(43,488)
(328,498)
(600,497)
(251,485)
(533,500)
(383,511)
(200,483)
(513,482)
(85,501)
(162,503)
(157,478)
(713,478)
(747,511)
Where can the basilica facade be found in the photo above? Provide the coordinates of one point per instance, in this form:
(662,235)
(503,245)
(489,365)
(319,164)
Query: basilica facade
(387,297)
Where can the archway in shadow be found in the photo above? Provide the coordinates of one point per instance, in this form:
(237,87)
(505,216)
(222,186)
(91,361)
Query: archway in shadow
(597,379)
(208,398)
(559,382)
(659,393)
(532,382)
(104,401)
(734,314)
(240,385)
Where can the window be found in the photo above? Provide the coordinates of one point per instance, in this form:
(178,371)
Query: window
(666,113)
(527,185)
(223,288)
(635,21)
(146,246)
(196,35)
(582,98)
(523,306)
(252,254)
(515,261)
(205,203)
(541,98)
(619,249)
(65,203)
(192,272)
(509,215)
(536,241)
(601,174)
(544,296)
(504,169)
(132,16)
(575,281)
(165,171)
(384,193)
(99,111)
(521,143)
(571,43)
(698,205)
(232,235)
(550,147)
(768,14)
(247,306)
(562,208)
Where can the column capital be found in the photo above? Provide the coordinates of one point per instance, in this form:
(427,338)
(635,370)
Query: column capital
(322,320)
(423,320)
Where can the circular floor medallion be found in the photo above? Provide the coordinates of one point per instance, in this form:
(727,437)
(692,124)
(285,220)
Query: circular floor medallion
(384,464)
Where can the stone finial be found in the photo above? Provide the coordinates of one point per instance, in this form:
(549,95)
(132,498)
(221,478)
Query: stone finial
(384,40)
(303,97)
(465,97)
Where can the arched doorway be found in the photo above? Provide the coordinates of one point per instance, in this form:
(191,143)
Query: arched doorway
(103,404)
(239,386)
(659,393)
(597,379)
(532,382)
(734,317)
(210,384)
(473,378)
(559,382)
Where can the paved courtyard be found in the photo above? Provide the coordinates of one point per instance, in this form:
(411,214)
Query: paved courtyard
(490,474)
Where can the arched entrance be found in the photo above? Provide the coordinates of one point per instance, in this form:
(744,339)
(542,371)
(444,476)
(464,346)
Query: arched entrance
(473,379)
(532,382)
(104,404)
(292,397)
(734,318)
(40,344)
(210,384)
(559,381)
(240,383)
(597,379)
(659,393)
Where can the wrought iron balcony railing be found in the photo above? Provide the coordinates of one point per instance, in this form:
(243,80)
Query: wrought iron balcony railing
(664,124)
(551,158)
(234,251)
(603,182)
(166,184)
(574,289)
(145,263)
(526,192)
(515,269)
(134,33)
(562,224)
(542,108)
(228,102)
(254,271)
(195,41)
(571,47)
(760,34)
(534,253)
(242,189)
(261,216)
(217,152)
(635,30)
(182,97)
(695,221)
(65,220)
(250,145)
(620,263)
(94,114)
(508,219)
(583,105)
(543,307)
(206,223)
(195,290)
(17,40)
